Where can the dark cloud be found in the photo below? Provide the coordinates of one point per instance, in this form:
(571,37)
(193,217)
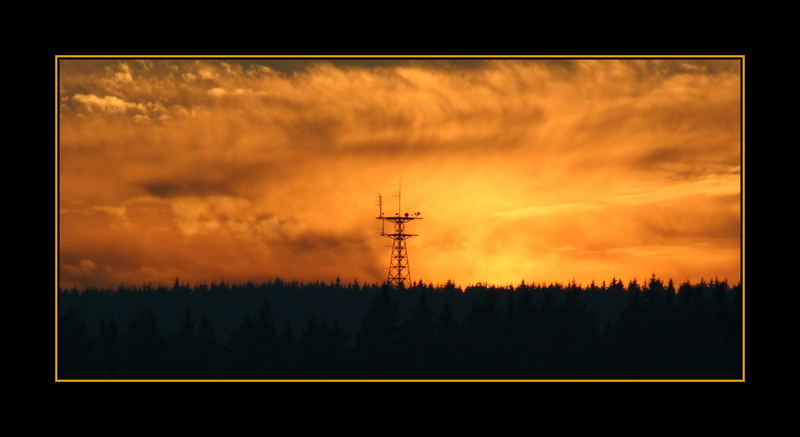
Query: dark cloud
(155,244)
(295,66)
(185,188)
(695,218)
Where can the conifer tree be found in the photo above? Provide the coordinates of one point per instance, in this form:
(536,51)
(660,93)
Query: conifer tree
(376,337)
(73,346)
(144,347)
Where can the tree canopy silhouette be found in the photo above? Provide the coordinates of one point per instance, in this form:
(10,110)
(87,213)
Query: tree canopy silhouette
(647,330)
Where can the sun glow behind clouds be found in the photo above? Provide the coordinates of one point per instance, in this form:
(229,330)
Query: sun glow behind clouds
(535,170)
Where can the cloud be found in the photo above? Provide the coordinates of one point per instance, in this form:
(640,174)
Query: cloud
(108,104)
(204,239)
(547,170)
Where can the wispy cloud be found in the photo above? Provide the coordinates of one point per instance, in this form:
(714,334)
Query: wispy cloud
(523,169)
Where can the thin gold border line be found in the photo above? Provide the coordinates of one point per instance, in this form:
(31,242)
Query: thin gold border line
(742,59)
(744,354)
(55,324)
(407,56)
(400,380)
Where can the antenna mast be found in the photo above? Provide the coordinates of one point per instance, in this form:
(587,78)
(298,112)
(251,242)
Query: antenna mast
(380,211)
(399,193)
(399,269)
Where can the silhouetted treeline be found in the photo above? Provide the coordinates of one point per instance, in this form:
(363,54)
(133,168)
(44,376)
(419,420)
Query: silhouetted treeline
(282,330)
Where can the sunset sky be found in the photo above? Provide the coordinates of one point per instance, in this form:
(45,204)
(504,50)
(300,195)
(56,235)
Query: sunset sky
(542,170)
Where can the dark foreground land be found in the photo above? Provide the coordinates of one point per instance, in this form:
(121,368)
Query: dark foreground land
(294,330)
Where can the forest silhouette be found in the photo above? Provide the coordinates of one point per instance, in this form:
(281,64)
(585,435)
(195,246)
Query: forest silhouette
(295,330)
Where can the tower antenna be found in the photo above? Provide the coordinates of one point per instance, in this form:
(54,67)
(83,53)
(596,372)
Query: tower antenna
(380,211)
(399,194)
(399,269)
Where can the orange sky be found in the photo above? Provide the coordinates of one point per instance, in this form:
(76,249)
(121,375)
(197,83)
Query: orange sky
(523,169)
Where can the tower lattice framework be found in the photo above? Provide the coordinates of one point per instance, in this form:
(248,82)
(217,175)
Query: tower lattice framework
(399,270)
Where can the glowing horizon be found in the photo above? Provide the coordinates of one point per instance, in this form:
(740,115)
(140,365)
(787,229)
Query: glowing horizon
(536,170)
